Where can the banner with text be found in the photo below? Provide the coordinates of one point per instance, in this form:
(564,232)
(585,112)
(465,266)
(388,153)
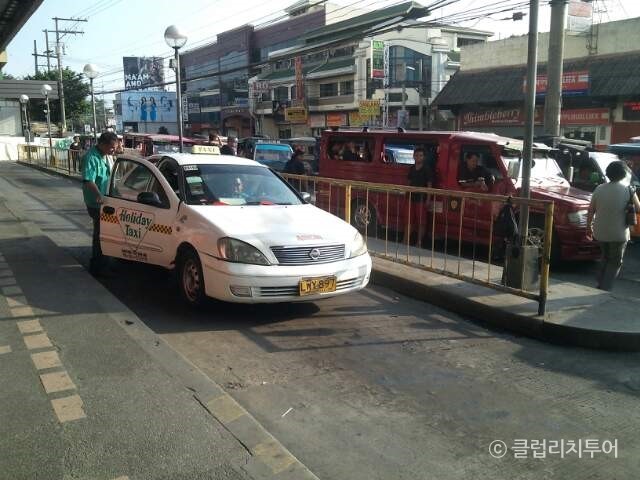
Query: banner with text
(142,72)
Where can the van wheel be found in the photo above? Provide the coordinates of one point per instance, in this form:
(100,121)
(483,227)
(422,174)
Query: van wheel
(190,278)
(364,218)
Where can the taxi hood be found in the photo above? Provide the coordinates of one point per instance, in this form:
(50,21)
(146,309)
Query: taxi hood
(569,196)
(277,225)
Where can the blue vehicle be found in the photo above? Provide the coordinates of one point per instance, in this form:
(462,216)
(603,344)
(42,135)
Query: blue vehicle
(272,154)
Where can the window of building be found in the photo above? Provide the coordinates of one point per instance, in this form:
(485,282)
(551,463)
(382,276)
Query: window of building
(294,92)
(461,42)
(408,67)
(346,88)
(286,133)
(328,89)
(281,93)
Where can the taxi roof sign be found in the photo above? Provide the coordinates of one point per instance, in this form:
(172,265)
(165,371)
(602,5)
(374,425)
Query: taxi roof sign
(206,149)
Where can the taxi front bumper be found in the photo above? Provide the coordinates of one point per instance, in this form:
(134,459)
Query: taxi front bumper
(242,283)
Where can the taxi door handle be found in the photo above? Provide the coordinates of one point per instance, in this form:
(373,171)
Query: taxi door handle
(109,210)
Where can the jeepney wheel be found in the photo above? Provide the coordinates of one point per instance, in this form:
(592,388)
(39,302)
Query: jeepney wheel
(364,218)
(190,278)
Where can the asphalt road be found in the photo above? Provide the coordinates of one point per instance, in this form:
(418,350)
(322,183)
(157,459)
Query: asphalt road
(375,385)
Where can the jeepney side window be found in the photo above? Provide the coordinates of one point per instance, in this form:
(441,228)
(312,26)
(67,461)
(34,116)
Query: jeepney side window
(486,159)
(350,149)
(400,152)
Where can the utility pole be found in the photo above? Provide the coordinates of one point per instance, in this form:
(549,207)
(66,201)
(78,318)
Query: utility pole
(37,55)
(48,51)
(59,55)
(530,107)
(553,97)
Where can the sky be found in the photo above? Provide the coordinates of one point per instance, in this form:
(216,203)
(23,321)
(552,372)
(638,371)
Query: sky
(117,28)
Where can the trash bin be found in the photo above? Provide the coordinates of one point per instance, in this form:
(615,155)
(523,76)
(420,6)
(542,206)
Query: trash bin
(518,258)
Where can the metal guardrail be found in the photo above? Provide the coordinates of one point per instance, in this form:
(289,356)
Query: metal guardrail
(418,227)
(64,161)
(443,231)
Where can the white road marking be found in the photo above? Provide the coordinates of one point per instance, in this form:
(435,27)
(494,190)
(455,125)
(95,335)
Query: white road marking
(37,341)
(56,382)
(68,408)
(45,360)
(5,349)
(22,312)
(29,326)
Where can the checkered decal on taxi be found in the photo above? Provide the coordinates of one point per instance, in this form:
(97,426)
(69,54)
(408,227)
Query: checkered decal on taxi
(105,217)
(165,229)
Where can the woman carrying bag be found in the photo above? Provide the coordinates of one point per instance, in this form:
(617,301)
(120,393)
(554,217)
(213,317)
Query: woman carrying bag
(611,213)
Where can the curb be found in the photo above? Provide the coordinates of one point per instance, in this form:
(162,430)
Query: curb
(48,170)
(499,318)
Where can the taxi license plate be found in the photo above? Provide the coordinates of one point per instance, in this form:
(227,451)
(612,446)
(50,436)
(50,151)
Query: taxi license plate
(309,286)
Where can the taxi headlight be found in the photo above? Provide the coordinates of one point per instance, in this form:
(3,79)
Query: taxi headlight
(234,250)
(358,246)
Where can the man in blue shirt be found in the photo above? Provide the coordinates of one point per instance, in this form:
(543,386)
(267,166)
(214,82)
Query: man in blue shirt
(95,181)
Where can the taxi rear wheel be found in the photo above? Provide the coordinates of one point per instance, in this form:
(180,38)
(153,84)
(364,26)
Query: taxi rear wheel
(190,278)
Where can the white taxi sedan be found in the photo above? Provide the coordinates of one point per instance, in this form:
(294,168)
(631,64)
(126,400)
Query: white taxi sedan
(231,228)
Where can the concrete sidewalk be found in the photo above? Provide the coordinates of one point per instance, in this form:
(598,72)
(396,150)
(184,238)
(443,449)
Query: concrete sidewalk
(576,314)
(83,376)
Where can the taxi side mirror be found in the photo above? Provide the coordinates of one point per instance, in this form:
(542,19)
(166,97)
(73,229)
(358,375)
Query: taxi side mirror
(149,198)
(306,197)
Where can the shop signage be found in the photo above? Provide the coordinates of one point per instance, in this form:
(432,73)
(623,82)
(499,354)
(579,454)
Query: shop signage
(336,119)
(317,120)
(369,108)
(573,83)
(515,116)
(377,59)
(295,115)
(358,120)
(585,116)
(631,111)
(299,79)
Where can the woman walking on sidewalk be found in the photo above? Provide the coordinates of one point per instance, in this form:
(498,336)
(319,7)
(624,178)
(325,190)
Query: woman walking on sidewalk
(606,221)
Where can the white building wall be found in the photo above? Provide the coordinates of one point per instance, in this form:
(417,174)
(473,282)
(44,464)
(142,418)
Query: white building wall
(612,37)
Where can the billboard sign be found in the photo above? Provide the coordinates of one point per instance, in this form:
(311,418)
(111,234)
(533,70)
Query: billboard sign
(369,108)
(142,72)
(579,18)
(149,106)
(377,59)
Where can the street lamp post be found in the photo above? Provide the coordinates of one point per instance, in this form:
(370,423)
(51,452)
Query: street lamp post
(176,40)
(91,71)
(45,90)
(24,99)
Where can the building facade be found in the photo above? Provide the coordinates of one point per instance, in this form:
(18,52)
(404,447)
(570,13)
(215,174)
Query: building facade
(221,102)
(323,81)
(601,85)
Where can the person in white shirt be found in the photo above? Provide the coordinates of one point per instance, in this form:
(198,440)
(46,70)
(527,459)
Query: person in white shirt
(606,222)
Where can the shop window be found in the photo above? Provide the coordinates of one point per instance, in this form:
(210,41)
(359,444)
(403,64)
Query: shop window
(281,93)
(346,88)
(350,149)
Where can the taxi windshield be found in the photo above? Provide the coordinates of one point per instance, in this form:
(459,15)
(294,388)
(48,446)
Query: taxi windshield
(236,185)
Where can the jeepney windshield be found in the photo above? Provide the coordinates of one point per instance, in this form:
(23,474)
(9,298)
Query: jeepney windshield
(543,166)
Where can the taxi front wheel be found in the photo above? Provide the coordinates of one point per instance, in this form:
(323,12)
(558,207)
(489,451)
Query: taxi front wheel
(190,278)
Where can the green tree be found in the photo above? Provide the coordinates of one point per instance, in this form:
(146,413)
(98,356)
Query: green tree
(76,91)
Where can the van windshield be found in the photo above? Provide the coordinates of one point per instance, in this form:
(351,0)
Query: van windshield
(543,166)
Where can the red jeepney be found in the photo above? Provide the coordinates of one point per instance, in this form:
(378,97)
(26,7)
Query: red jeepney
(383,156)
(146,144)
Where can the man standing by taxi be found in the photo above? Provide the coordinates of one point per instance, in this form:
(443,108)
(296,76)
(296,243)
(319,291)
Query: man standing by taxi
(95,180)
